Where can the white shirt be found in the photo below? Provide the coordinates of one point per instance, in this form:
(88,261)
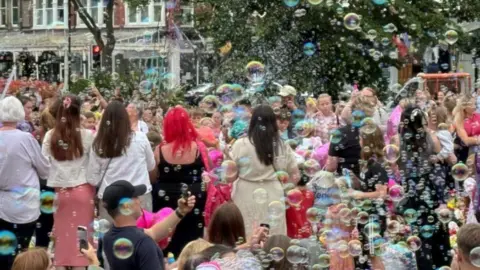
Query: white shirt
(68,173)
(142,126)
(21,166)
(132,166)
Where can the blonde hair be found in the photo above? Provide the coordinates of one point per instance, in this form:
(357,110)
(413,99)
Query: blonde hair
(459,111)
(440,113)
(363,104)
(32,259)
(324,96)
(191,249)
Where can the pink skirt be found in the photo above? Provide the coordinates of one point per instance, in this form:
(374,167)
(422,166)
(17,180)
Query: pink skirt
(75,207)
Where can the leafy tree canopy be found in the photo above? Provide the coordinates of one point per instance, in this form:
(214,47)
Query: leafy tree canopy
(319,45)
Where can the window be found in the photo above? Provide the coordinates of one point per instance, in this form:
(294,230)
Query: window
(48,13)
(3,12)
(15,12)
(153,13)
(95,8)
(186,16)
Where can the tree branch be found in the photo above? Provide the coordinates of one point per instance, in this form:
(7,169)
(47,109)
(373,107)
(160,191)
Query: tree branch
(89,22)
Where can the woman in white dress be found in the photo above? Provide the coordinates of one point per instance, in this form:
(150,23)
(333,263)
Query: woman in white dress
(257,192)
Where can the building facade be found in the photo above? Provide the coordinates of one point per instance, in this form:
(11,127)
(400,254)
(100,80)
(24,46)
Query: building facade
(34,35)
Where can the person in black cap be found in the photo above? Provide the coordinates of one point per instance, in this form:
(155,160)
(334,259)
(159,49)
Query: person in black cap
(126,246)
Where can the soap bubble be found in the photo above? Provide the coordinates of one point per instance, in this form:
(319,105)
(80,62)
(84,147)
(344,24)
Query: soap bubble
(324,260)
(229,170)
(126,206)
(414,243)
(352,21)
(282,176)
(244,165)
(311,167)
(426,231)
(260,195)
(145,87)
(396,193)
(115,76)
(47,202)
(296,254)
(393,227)
(277,254)
(294,197)
(372,34)
(276,209)
(391,153)
(313,215)
(74,77)
(291,3)
(315,2)
(368,126)
(379,2)
(8,243)
(357,118)
(104,225)
(444,215)
(336,136)
(451,37)
(410,215)
(460,172)
(475,256)
(355,248)
(309,48)
(122,248)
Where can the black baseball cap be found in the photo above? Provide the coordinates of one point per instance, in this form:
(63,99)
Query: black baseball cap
(119,190)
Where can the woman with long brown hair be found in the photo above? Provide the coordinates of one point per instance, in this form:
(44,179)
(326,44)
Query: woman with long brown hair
(67,146)
(120,153)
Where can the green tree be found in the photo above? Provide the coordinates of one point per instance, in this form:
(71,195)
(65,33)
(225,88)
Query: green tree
(107,45)
(275,33)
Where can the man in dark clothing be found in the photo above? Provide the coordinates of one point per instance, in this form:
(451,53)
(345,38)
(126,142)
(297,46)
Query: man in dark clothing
(126,246)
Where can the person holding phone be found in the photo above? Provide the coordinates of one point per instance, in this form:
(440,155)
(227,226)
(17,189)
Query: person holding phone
(126,246)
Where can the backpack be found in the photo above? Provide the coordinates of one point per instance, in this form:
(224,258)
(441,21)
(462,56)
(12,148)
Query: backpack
(216,194)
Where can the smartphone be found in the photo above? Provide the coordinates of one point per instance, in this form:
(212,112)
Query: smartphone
(184,190)
(82,237)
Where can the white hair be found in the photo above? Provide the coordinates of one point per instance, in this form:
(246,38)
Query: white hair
(11,110)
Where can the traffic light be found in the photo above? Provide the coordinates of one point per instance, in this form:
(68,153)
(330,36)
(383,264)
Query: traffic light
(96,56)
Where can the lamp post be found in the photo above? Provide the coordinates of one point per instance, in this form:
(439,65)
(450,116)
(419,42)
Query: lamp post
(69,41)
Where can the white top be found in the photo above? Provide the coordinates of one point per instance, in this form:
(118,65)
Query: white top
(21,166)
(446,141)
(142,126)
(132,166)
(68,173)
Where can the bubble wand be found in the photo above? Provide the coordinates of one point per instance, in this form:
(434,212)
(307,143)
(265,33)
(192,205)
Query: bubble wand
(9,81)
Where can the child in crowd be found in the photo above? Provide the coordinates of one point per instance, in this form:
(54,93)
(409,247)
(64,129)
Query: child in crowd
(298,226)
(89,121)
(196,116)
(438,123)
(154,138)
(283,121)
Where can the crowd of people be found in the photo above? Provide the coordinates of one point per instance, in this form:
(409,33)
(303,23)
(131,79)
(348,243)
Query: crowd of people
(121,184)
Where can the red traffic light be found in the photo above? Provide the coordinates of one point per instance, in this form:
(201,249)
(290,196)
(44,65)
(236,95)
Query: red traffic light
(96,49)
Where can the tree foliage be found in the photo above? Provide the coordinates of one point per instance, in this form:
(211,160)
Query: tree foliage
(275,34)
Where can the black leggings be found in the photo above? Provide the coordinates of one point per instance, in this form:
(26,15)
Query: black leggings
(44,225)
(23,232)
